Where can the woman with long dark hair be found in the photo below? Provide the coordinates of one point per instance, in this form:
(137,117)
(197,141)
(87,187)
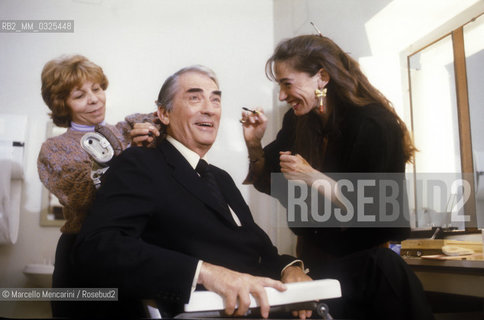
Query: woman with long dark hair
(338,124)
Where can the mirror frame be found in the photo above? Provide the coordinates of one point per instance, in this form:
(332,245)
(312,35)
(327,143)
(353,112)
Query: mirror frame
(454,28)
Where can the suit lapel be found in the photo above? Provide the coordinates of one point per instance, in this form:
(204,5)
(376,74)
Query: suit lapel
(234,198)
(187,176)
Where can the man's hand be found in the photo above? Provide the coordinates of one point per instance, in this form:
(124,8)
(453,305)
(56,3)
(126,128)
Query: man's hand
(143,134)
(235,287)
(296,274)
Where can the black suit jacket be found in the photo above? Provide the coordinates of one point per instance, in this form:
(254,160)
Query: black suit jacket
(153,219)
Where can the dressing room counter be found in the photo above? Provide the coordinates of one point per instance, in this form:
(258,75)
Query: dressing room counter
(462,277)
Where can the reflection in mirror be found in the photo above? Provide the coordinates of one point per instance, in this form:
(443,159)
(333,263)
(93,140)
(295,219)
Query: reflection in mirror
(474,49)
(436,132)
(51,211)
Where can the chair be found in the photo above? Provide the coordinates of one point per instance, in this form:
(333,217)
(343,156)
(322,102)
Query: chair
(298,296)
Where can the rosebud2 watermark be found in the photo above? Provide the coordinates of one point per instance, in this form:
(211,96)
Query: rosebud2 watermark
(370,199)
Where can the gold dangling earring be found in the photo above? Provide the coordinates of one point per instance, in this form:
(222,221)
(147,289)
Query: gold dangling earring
(320,94)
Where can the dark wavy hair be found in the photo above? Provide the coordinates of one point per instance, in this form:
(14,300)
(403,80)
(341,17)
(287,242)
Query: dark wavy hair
(347,86)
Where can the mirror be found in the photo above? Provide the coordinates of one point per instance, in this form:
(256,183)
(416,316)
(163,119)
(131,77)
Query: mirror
(436,133)
(434,108)
(445,82)
(51,210)
(474,49)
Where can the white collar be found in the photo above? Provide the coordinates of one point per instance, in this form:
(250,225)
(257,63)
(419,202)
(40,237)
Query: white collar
(191,156)
(84,127)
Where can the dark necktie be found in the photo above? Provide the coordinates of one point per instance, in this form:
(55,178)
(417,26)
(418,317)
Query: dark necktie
(209,179)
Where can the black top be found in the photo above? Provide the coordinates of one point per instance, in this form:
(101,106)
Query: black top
(367,140)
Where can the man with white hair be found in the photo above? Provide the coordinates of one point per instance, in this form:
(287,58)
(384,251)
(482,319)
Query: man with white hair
(165,221)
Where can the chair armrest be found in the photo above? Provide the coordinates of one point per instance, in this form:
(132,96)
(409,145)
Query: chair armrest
(296,292)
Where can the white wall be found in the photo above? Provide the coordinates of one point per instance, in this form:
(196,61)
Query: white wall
(138,44)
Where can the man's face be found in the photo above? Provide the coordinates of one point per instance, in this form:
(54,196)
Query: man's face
(195,116)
